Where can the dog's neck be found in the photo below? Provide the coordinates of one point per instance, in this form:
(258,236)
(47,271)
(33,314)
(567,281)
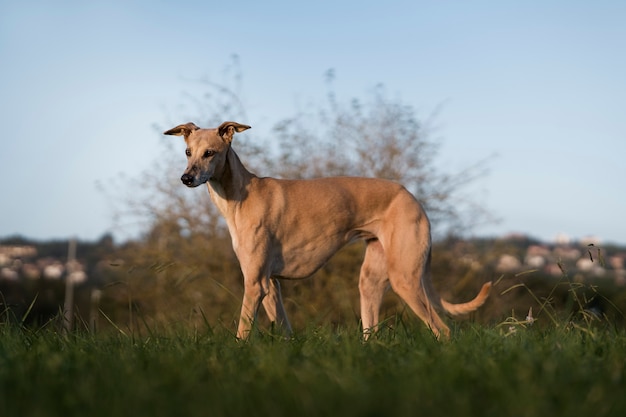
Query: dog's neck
(229,186)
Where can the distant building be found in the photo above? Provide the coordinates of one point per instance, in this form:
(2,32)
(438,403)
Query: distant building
(508,263)
(562,239)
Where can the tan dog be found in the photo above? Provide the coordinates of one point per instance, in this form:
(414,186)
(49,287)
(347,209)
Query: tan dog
(290,228)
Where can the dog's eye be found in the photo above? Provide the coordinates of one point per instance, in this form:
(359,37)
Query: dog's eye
(188,152)
(208,153)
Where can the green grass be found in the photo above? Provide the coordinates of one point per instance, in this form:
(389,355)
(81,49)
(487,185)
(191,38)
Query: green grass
(403,372)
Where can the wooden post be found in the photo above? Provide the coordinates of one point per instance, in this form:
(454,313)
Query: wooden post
(68,307)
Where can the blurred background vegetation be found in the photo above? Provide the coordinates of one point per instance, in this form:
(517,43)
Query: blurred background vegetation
(182,270)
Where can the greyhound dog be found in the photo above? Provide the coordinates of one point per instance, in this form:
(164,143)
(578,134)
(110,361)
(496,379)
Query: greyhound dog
(290,228)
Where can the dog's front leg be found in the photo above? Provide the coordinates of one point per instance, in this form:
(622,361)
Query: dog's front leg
(273,304)
(253,294)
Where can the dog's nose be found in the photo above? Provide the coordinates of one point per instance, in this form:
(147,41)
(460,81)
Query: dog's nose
(187,179)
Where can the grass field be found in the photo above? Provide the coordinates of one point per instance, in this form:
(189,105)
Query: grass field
(558,371)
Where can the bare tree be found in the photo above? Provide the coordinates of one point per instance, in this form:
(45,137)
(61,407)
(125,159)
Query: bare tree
(382,138)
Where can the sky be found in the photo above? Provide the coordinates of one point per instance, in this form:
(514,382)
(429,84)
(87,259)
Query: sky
(538,88)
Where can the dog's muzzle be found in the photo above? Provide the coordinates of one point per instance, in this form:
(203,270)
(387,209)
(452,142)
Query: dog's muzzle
(187,179)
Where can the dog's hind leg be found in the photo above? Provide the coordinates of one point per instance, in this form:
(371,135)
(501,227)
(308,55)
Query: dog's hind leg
(273,304)
(409,288)
(373,283)
(408,264)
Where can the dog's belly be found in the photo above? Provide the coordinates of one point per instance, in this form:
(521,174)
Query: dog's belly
(303,260)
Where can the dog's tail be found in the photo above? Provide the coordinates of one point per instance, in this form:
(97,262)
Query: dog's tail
(468,307)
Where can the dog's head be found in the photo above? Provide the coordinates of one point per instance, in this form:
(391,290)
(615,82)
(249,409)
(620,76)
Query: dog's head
(206,150)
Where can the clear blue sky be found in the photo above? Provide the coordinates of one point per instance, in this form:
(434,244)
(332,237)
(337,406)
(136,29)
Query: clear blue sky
(540,84)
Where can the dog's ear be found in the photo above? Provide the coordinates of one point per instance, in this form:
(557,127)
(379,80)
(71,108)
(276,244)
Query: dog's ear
(182,130)
(228,129)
